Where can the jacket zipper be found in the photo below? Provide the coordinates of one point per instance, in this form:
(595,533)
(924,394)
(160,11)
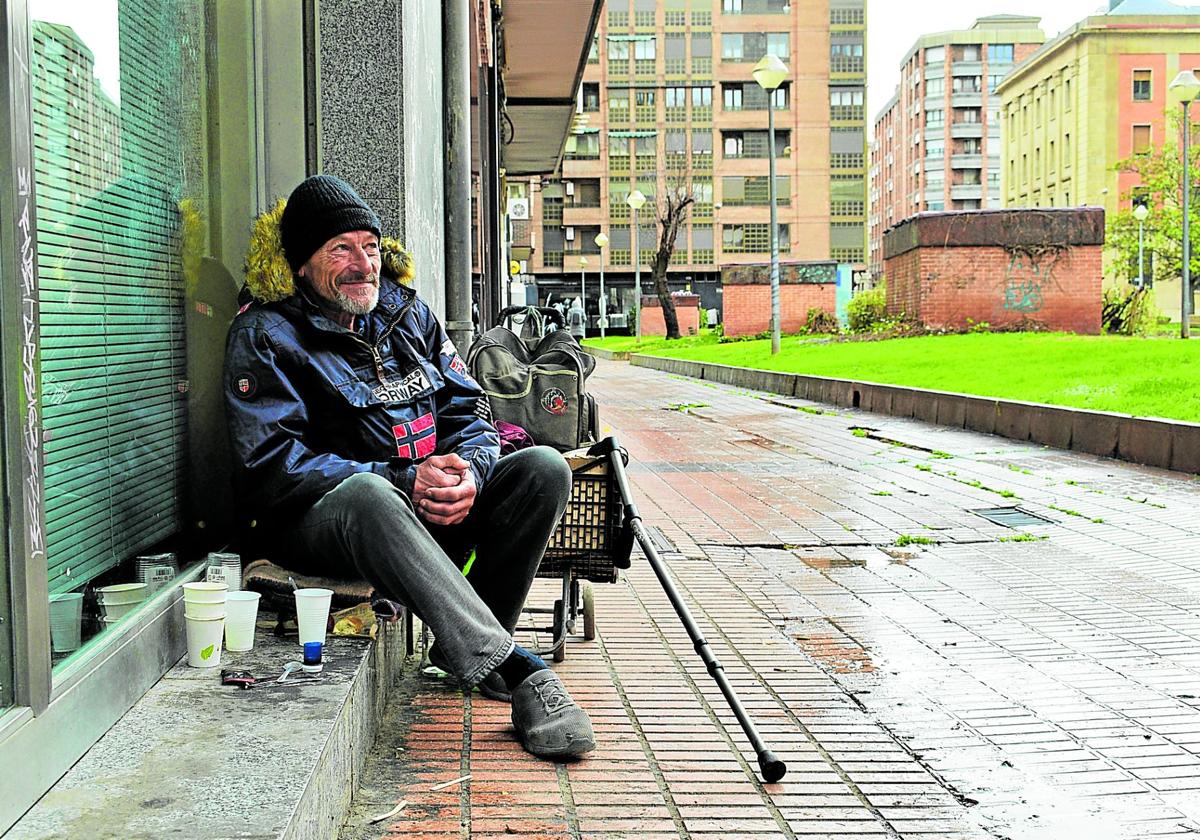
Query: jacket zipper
(374,348)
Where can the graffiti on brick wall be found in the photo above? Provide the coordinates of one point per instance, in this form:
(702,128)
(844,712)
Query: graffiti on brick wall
(1029,274)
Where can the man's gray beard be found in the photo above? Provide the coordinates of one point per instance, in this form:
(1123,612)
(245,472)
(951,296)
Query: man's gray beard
(355,307)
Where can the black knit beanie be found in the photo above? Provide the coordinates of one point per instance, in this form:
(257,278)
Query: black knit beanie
(321,208)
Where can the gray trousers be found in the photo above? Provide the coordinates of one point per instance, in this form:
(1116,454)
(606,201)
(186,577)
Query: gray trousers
(366,527)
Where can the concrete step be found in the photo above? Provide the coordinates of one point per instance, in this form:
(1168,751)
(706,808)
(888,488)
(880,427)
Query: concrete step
(195,760)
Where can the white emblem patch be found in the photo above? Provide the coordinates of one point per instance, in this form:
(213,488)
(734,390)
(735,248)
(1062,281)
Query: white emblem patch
(411,386)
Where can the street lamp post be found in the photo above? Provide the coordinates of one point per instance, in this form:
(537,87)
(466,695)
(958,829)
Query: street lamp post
(1140,213)
(601,242)
(583,294)
(770,73)
(635,201)
(1183,89)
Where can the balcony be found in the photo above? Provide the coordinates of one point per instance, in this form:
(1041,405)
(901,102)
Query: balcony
(959,192)
(966,68)
(966,99)
(846,113)
(966,130)
(966,161)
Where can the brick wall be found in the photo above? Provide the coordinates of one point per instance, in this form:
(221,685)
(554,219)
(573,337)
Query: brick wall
(687,312)
(902,287)
(748,307)
(948,270)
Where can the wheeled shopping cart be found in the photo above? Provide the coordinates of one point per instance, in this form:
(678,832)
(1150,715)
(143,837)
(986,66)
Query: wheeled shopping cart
(591,544)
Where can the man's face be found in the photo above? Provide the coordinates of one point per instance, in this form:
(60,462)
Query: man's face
(344,272)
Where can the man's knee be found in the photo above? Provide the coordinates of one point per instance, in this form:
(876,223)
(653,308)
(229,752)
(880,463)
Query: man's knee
(546,469)
(365,496)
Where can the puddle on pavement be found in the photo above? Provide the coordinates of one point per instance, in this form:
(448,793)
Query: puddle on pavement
(837,653)
(881,559)
(832,562)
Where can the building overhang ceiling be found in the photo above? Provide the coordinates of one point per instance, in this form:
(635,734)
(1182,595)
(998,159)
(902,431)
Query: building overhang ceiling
(546,44)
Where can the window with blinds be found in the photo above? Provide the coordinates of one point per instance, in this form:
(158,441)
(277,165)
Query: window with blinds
(119,156)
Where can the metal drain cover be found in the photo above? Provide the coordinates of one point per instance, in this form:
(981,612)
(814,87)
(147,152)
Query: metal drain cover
(1012,517)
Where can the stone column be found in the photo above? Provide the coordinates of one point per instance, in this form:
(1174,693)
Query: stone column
(380,119)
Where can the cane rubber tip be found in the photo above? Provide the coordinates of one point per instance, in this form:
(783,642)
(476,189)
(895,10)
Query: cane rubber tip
(772,768)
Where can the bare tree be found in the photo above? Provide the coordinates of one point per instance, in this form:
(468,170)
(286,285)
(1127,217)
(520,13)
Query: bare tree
(672,212)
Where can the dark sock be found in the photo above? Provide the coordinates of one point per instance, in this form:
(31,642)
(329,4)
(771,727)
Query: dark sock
(520,664)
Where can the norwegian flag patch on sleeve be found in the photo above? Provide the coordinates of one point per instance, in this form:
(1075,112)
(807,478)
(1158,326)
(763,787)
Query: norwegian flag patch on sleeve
(416,438)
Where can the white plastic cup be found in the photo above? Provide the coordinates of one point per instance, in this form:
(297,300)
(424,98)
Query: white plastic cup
(312,613)
(121,594)
(204,610)
(204,593)
(204,637)
(241,616)
(225,566)
(116,611)
(66,615)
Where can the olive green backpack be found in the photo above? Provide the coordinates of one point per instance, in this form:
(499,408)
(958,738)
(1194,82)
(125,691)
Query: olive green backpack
(536,379)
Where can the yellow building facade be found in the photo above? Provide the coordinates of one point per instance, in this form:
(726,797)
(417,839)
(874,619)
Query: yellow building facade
(1091,97)
(1070,111)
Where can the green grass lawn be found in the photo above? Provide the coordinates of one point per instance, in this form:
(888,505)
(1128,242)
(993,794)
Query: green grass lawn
(1151,377)
(650,343)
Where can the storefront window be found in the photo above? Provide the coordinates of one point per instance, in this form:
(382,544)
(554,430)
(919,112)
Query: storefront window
(119,150)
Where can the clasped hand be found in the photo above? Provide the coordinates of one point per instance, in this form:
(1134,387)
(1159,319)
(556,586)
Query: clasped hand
(444,489)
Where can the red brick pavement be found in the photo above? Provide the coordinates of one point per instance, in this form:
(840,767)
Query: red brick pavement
(969,687)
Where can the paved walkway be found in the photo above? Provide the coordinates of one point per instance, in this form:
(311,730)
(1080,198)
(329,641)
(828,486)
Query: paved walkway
(924,672)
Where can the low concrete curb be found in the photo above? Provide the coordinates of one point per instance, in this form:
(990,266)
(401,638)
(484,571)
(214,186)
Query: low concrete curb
(610,355)
(1170,444)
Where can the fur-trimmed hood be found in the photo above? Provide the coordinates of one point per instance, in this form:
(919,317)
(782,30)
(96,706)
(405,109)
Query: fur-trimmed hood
(269,278)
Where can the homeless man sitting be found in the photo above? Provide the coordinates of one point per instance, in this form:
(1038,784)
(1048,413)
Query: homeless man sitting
(365,450)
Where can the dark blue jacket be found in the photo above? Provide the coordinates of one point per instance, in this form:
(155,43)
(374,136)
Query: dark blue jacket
(311,403)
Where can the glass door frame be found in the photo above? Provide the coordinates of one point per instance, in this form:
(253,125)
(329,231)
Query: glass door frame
(55,717)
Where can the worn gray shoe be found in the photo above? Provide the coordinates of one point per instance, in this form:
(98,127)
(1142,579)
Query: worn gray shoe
(492,686)
(547,720)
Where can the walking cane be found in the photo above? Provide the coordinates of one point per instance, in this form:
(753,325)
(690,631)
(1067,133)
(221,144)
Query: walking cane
(772,768)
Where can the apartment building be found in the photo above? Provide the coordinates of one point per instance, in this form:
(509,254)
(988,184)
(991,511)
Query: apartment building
(1094,95)
(936,143)
(668,101)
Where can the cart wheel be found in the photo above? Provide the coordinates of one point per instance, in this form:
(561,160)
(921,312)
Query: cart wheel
(560,632)
(589,611)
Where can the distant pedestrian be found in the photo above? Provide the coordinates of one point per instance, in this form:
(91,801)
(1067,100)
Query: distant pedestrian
(577,319)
